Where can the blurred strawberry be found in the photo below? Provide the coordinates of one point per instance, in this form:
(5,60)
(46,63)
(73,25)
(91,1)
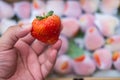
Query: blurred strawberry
(116,60)
(84,65)
(103,58)
(46,28)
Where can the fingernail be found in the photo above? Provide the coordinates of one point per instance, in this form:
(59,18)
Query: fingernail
(26,26)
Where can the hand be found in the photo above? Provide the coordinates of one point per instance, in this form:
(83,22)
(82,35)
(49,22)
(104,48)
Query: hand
(24,58)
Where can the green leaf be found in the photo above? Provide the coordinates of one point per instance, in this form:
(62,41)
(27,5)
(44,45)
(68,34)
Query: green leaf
(74,51)
(50,13)
(39,17)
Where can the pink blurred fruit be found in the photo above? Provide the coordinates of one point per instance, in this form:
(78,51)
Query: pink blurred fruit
(38,4)
(56,5)
(86,21)
(63,65)
(72,9)
(93,39)
(70,27)
(89,6)
(38,8)
(22,9)
(113,43)
(103,58)
(64,46)
(84,65)
(106,24)
(6,10)
(109,6)
(116,60)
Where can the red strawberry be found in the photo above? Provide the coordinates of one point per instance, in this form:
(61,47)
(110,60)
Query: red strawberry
(46,28)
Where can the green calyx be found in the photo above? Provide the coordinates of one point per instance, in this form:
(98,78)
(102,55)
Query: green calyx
(50,13)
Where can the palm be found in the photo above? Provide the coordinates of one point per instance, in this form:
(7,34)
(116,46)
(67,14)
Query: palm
(29,59)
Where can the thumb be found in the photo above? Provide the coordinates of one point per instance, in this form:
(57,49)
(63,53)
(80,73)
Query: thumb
(12,35)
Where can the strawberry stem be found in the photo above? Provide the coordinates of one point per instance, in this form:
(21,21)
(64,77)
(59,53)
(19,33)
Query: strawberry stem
(50,13)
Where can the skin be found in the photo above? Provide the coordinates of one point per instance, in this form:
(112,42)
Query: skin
(22,57)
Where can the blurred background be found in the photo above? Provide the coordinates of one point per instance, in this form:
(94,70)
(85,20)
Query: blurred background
(90,35)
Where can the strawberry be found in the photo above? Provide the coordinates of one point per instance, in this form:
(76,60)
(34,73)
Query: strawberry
(46,28)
